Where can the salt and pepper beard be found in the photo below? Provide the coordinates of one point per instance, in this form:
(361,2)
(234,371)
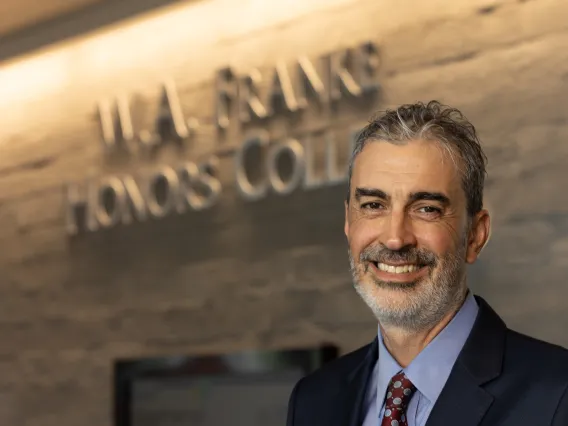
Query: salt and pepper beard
(427,300)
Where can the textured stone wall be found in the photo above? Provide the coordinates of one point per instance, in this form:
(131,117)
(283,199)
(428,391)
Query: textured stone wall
(270,274)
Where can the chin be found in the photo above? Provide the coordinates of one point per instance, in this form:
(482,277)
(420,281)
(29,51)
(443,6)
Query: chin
(394,299)
(388,295)
(401,287)
(397,296)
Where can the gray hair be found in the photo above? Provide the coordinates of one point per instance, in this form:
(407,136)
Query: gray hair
(437,122)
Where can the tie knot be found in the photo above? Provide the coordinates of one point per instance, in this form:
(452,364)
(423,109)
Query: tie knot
(399,392)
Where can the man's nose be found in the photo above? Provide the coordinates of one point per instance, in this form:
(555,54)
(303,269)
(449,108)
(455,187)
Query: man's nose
(398,233)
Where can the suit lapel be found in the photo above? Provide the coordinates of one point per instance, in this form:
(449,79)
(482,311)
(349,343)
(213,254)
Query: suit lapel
(349,408)
(463,397)
(461,400)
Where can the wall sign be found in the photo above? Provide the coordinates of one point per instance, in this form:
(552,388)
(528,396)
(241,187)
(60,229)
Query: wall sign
(119,199)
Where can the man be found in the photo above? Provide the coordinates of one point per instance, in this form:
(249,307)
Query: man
(414,218)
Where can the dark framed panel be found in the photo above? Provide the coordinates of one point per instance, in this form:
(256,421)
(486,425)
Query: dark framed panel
(247,388)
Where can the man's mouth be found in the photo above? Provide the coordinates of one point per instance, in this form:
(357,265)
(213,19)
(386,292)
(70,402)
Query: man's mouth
(403,268)
(398,269)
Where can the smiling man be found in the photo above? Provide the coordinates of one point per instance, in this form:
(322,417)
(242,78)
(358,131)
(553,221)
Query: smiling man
(414,219)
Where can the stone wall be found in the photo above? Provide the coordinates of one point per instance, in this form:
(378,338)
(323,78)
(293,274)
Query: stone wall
(273,273)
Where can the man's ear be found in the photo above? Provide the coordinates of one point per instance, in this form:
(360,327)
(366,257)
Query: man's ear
(346,225)
(479,234)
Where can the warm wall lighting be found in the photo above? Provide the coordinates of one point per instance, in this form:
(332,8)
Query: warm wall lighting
(33,77)
(146,47)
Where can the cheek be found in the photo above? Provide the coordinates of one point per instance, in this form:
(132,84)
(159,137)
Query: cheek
(362,233)
(437,239)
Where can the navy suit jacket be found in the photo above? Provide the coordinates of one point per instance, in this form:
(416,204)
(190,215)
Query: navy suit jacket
(500,378)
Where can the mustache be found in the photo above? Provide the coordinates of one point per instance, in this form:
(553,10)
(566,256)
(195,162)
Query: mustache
(382,254)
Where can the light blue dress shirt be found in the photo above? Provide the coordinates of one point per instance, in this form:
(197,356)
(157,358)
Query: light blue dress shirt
(429,371)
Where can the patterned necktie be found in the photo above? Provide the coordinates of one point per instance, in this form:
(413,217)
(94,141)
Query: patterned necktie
(399,392)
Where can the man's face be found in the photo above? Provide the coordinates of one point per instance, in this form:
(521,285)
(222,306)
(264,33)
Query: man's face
(408,232)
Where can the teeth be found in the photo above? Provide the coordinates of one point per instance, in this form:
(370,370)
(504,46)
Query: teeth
(403,269)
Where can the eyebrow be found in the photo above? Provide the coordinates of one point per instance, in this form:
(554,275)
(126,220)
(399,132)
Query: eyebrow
(429,196)
(413,197)
(370,192)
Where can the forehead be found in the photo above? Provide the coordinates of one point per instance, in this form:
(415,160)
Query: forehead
(413,166)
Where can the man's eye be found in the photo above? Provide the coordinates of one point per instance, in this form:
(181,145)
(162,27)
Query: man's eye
(430,210)
(371,206)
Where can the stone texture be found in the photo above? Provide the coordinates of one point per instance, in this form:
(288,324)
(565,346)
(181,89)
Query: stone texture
(270,274)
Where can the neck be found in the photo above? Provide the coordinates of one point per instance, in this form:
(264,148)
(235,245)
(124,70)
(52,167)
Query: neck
(405,345)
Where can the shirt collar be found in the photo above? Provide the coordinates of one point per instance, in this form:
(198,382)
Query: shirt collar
(430,370)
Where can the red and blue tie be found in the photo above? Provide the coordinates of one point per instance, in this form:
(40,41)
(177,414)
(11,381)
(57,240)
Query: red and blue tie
(398,396)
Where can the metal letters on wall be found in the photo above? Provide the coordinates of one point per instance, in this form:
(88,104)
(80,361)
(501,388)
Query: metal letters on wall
(349,74)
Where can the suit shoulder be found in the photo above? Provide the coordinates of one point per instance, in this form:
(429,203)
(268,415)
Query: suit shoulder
(316,393)
(536,346)
(540,355)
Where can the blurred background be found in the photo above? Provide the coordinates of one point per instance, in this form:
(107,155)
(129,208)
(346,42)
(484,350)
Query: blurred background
(172,175)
